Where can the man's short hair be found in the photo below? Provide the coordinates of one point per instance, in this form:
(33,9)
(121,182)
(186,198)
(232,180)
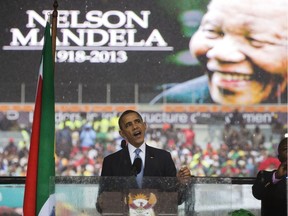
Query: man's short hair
(125,113)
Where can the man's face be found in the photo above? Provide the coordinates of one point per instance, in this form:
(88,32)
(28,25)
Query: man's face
(243,46)
(133,129)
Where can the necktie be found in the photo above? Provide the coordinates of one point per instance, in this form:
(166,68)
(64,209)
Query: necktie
(139,175)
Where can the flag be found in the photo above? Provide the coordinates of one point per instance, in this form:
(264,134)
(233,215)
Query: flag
(41,162)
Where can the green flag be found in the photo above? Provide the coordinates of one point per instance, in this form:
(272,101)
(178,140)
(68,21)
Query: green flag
(39,193)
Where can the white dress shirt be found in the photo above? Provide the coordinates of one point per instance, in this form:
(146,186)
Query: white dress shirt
(142,154)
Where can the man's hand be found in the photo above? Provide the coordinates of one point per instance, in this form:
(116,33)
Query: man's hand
(184,175)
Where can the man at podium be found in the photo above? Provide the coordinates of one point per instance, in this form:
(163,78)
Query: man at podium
(136,160)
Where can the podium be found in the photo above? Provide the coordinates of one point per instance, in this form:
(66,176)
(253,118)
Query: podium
(121,196)
(116,196)
(78,195)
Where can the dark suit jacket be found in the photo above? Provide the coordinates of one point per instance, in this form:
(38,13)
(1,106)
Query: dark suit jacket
(157,163)
(273,196)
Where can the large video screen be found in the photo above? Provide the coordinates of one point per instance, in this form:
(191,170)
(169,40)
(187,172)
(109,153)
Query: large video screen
(152,51)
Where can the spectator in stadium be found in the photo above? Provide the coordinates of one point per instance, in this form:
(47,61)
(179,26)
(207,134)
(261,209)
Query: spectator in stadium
(237,118)
(230,169)
(64,141)
(87,137)
(270,186)
(233,139)
(258,138)
(5,123)
(244,61)
(11,148)
(189,135)
(245,137)
(81,163)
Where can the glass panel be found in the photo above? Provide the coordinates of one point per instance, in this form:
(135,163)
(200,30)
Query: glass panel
(204,196)
(201,196)
(11,199)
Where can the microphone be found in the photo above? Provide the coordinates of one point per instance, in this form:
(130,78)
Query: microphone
(136,167)
(123,144)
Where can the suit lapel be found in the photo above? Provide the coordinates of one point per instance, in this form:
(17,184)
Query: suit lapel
(126,163)
(149,162)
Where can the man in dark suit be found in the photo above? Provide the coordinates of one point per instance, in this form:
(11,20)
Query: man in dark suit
(270,186)
(155,162)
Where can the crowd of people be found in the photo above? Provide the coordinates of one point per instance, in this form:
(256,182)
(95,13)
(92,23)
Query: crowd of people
(81,147)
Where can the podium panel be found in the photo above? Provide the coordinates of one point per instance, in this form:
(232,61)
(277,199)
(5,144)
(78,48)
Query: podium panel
(121,196)
(139,202)
(112,203)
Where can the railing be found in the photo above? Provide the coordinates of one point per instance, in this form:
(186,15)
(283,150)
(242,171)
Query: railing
(234,180)
(105,93)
